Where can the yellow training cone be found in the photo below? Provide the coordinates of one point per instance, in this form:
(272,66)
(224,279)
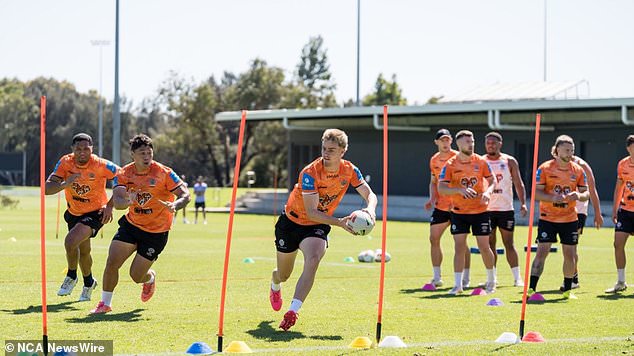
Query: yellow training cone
(361,342)
(238,347)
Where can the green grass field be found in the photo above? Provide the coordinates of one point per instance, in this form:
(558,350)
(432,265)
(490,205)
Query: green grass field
(341,306)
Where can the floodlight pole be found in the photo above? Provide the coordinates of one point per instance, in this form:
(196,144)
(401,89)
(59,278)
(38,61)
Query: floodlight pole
(545,37)
(101,44)
(358,103)
(116,115)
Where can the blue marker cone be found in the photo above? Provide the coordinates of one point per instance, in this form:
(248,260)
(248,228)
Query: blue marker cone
(199,348)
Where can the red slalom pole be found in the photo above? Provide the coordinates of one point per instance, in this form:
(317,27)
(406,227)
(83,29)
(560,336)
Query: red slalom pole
(43,220)
(236,176)
(531,215)
(59,199)
(384,230)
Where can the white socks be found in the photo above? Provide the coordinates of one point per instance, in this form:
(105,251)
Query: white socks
(276,287)
(106,298)
(491,275)
(516,273)
(436,273)
(465,275)
(621,273)
(151,279)
(295,305)
(458,279)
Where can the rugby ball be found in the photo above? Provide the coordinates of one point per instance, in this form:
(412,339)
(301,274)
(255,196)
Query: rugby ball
(360,222)
(366,256)
(378,253)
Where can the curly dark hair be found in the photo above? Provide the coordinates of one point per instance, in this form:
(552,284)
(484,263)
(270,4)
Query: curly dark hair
(140,140)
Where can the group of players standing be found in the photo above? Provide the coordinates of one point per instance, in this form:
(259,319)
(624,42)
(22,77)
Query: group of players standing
(473,192)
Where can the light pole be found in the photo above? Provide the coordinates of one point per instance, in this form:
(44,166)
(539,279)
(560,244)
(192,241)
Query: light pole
(358,47)
(116,115)
(100,44)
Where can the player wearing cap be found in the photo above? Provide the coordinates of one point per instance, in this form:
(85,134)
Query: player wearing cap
(83,176)
(463,178)
(501,211)
(442,206)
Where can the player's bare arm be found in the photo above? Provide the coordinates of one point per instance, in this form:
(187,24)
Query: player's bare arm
(55,184)
(518,183)
(433,193)
(541,195)
(370,198)
(486,195)
(616,200)
(311,202)
(181,201)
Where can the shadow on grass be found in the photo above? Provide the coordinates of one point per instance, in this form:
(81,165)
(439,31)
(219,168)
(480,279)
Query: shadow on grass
(615,296)
(130,316)
(265,331)
(503,348)
(420,290)
(51,308)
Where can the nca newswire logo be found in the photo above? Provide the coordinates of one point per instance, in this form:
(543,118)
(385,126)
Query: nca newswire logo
(66,347)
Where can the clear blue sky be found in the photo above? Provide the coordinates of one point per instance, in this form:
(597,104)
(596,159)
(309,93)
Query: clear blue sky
(434,47)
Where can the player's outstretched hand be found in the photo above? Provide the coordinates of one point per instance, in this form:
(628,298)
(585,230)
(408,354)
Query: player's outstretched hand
(106,214)
(169,205)
(343,223)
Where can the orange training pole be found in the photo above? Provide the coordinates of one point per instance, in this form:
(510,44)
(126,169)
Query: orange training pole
(531,215)
(384,231)
(42,219)
(236,176)
(59,199)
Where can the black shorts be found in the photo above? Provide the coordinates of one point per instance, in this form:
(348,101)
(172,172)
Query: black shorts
(479,224)
(547,232)
(439,217)
(502,219)
(624,221)
(148,244)
(288,234)
(199,205)
(581,222)
(91,219)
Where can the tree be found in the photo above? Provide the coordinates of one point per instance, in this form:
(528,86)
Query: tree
(385,93)
(312,86)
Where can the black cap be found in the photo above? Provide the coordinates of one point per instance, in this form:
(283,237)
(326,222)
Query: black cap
(82,137)
(441,133)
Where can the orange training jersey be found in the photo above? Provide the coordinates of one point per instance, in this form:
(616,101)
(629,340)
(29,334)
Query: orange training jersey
(331,188)
(435,166)
(88,192)
(470,174)
(559,181)
(625,172)
(146,211)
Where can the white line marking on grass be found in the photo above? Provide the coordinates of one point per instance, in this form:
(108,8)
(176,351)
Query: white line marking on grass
(410,345)
(353,265)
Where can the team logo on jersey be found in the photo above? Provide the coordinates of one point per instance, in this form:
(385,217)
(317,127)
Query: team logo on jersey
(143,197)
(469,182)
(499,177)
(325,201)
(91,176)
(343,182)
(152,182)
(80,189)
(476,168)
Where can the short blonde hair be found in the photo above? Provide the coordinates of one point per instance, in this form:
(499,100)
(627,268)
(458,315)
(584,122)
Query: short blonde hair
(464,133)
(337,136)
(560,141)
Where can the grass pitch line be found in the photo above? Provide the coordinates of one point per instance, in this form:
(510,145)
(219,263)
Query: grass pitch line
(409,345)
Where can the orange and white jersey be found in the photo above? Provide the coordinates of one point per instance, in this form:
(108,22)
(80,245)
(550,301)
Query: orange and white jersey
(469,174)
(88,192)
(502,197)
(625,172)
(436,162)
(331,187)
(559,180)
(146,211)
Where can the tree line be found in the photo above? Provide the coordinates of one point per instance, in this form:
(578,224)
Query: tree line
(180,117)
